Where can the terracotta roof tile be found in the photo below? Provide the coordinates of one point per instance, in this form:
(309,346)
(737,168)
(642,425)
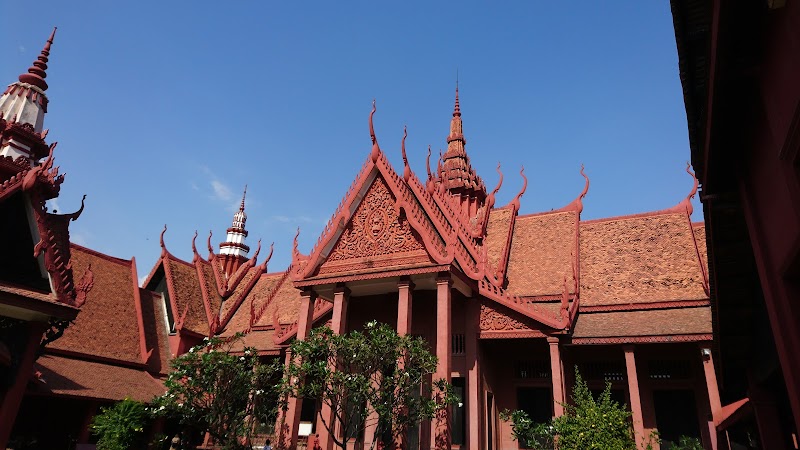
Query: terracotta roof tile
(107,325)
(654,322)
(639,259)
(238,292)
(497,234)
(187,293)
(542,254)
(700,235)
(260,293)
(156,333)
(210,287)
(79,378)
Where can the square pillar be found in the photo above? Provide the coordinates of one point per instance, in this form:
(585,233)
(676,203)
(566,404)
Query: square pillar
(304,323)
(713,391)
(341,297)
(556,376)
(9,404)
(473,375)
(633,391)
(441,436)
(405,287)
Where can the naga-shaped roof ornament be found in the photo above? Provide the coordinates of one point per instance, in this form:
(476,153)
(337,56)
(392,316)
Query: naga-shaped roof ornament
(577,204)
(194,247)
(515,203)
(210,247)
(406,168)
(688,200)
(376,150)
(161,240)
(37,72)
(499,182)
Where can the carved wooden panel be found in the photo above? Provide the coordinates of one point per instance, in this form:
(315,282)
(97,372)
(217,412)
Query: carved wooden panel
(375,229)
(494,320)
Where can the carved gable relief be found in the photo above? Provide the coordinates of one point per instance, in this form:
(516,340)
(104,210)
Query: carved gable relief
(494,320)
(376,232)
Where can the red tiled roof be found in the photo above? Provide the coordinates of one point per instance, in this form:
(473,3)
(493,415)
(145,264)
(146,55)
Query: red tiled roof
(497,234)
(238,293)
(542,254)
(155,328)
(643,258)
(656,322)
(188,297)
(79,378)
(212,293)
(107,325)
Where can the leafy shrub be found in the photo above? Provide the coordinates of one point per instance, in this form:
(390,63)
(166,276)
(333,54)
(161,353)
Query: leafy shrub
(121,426)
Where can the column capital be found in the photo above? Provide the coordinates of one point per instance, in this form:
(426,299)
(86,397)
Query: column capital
(628,348)
(341,288)
(444,278)
(406,282)
(553,340)
(309,292)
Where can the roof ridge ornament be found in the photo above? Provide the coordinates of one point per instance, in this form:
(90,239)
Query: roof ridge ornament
(406,168)
(161,240)
(37,72)
(376,149)
(515,203)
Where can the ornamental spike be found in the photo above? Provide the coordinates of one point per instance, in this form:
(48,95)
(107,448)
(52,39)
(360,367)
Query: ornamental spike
(38,71)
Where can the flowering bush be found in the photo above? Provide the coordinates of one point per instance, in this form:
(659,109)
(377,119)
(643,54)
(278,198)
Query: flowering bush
(219,391)
(374,373)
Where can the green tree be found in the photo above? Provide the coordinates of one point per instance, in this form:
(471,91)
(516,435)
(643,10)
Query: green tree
(587,424)
(121,426)
(375,373)
(224,393)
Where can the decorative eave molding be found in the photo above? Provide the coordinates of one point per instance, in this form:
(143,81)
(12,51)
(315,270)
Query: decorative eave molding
(640,339)
(586,309)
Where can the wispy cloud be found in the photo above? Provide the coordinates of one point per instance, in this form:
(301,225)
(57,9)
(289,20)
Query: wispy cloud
(79,238)
(53,206)
(142,279)
(289,219)
(221,190)
(21,49)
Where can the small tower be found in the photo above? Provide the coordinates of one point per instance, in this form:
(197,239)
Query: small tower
(233,252)
(457,174)
(23,106)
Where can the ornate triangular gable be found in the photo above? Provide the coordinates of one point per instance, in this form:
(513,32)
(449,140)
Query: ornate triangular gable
(378,235)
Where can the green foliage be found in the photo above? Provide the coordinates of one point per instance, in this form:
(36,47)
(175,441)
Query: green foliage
(374,373)
(587,424)
(121,426)
(687,443)
(212,389)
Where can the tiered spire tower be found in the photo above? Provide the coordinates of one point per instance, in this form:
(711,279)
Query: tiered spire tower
(457,174)
(233,252)
(24,104)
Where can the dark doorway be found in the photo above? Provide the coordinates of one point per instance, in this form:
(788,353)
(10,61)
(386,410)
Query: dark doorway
(676,415)
(537,403)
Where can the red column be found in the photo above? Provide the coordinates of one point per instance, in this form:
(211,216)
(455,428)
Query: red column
(441,435)
(341,296)
(473,375)
(633,391)
(13,397)
(713,391)
(557,376)
(404,299)
(304,322)
(405,287)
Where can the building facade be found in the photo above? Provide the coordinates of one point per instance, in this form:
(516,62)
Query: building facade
(510,303)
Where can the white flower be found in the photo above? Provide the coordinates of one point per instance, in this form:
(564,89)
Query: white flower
(191,350)
(241,358)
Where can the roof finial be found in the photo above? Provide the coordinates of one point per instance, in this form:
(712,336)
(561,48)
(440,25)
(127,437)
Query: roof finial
(241,206)
(37,72)
(457,108)
(406,168)
(376,150)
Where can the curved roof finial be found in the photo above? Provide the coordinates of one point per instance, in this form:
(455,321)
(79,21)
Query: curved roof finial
(161,238)
(208,243)
(295,251)
(515,203)
(375,147)
(194,247)
(691,195)
(428,163)
(406,168)
(499,183)
(258,250)
(37,72)
(586,186)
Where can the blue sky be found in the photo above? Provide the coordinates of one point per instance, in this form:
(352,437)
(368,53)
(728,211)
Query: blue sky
(164,111)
